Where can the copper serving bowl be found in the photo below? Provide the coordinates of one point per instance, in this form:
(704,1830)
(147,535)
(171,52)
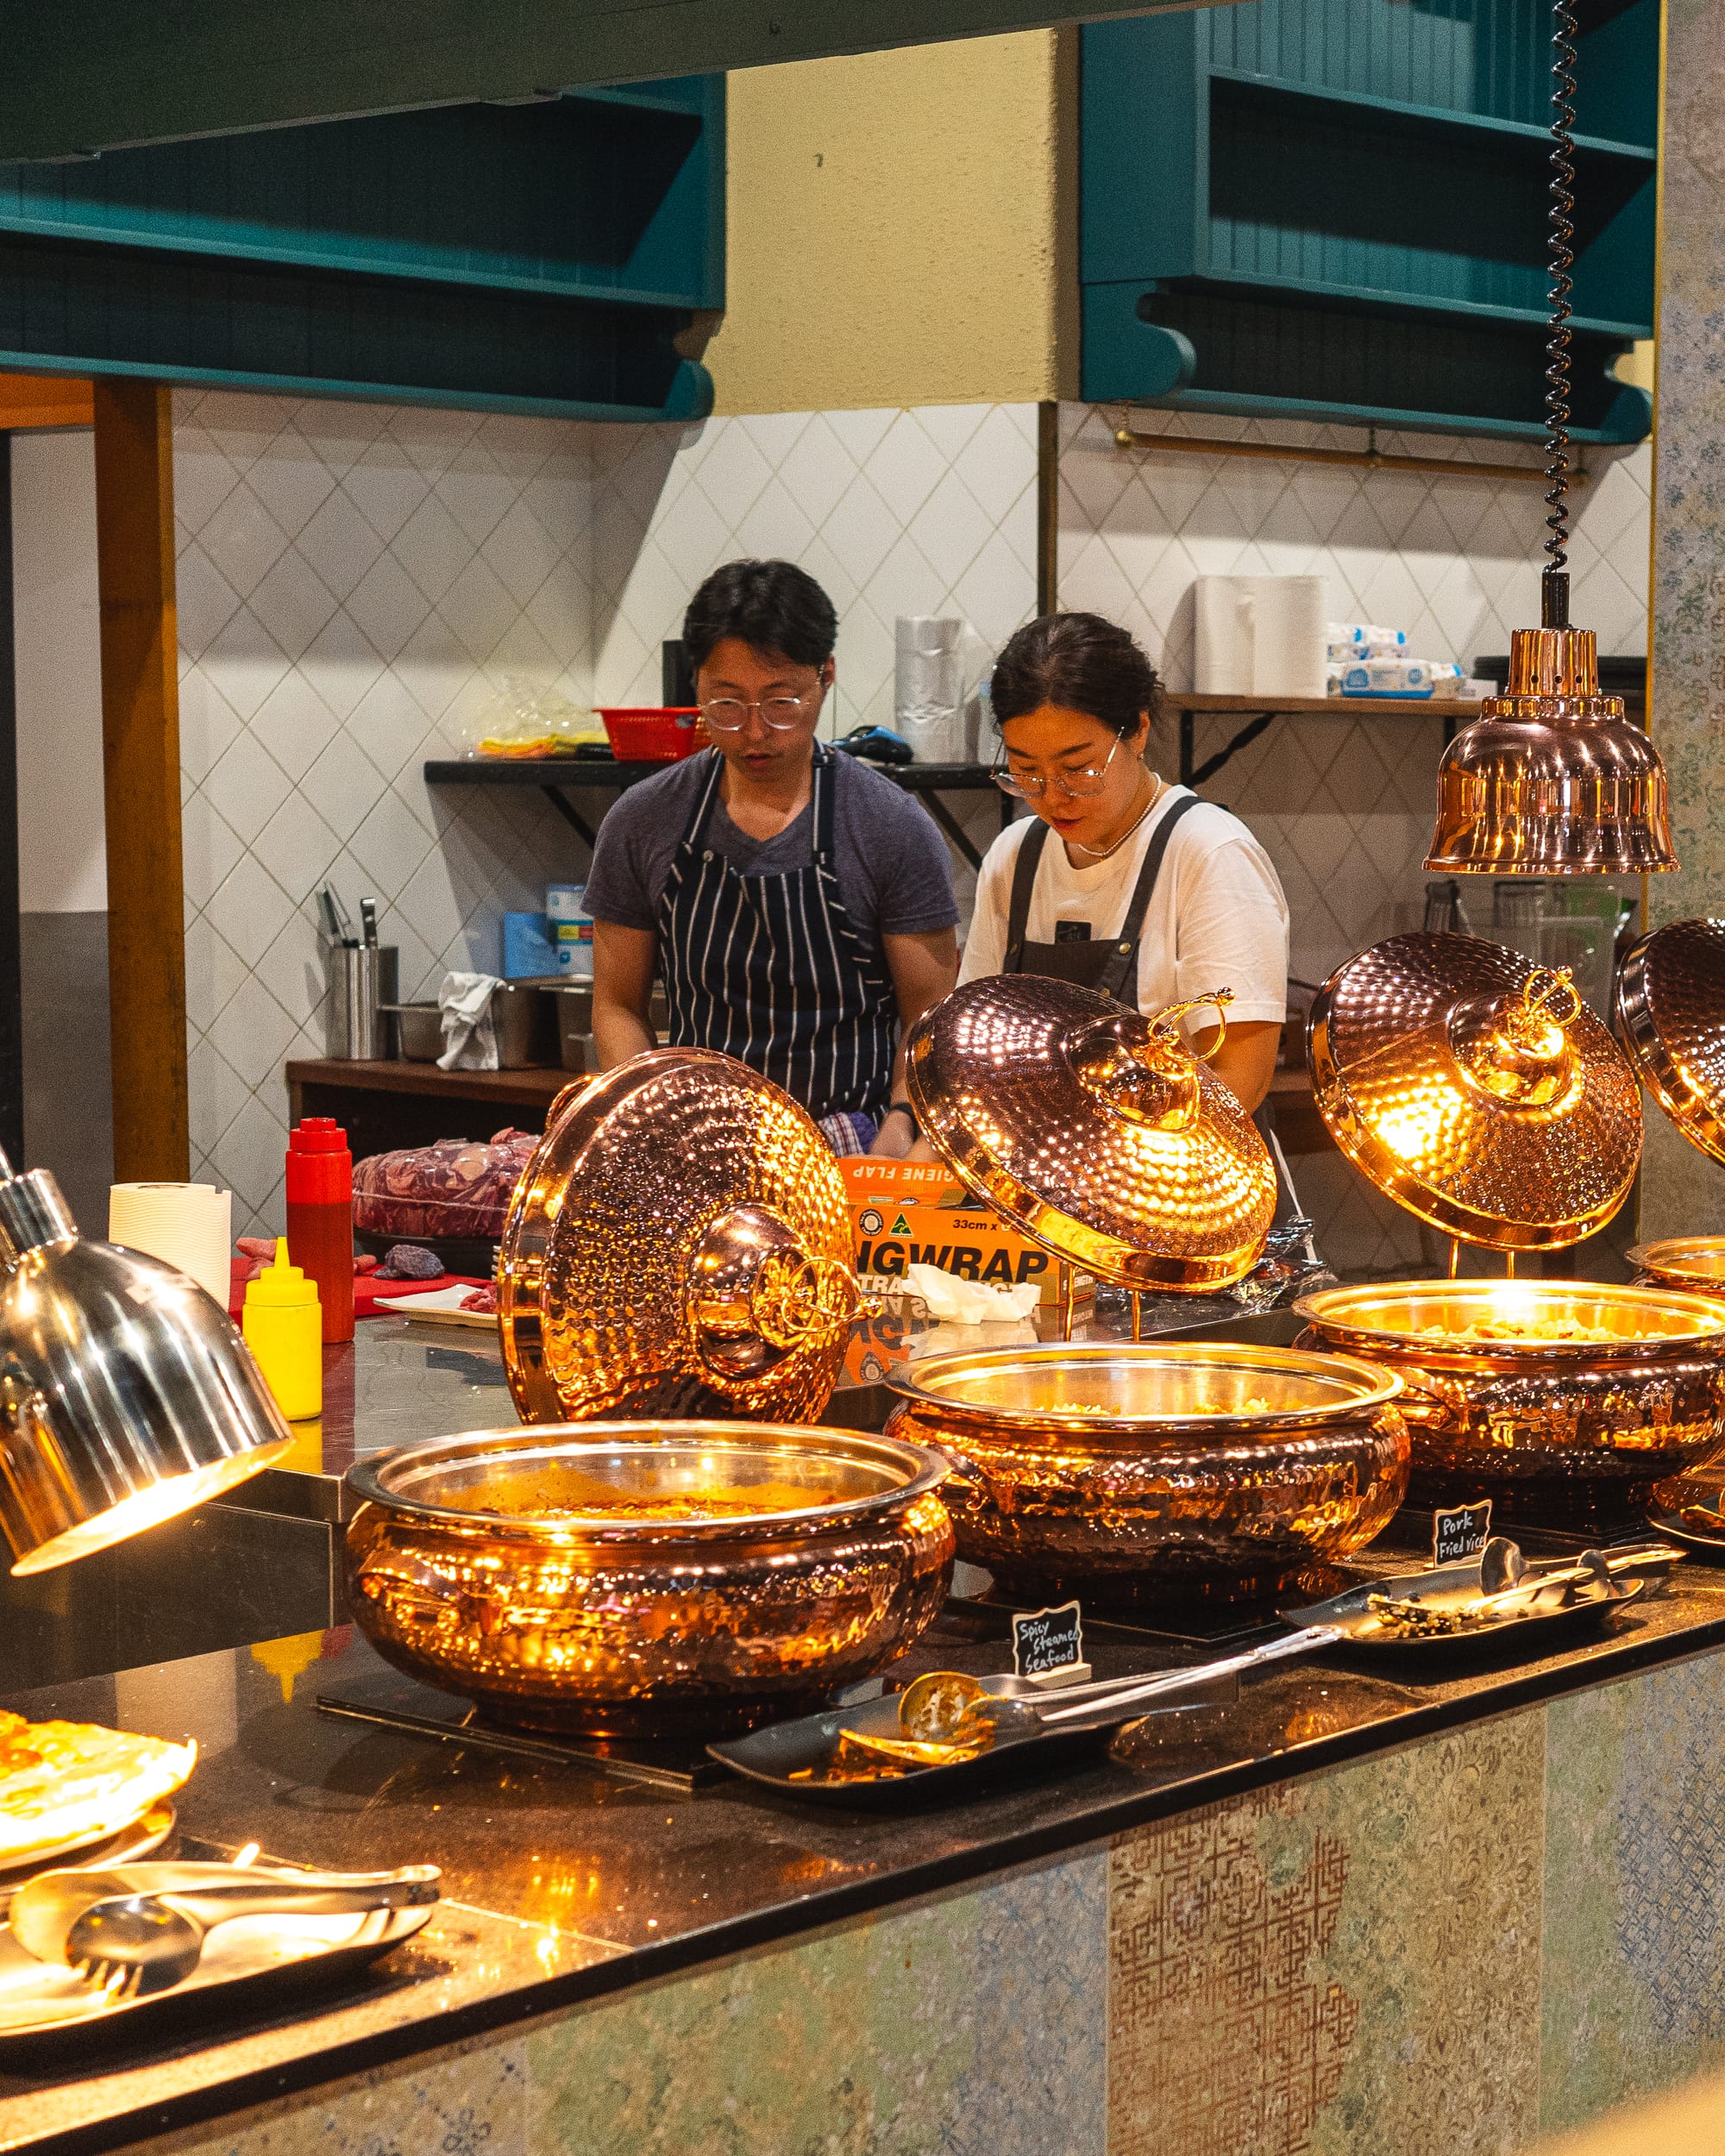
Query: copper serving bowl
(1553,1429)
(1693,1262)
(625,1579)
(1147,1474)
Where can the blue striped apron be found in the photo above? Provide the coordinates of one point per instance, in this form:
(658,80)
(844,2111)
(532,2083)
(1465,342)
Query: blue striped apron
(773,970)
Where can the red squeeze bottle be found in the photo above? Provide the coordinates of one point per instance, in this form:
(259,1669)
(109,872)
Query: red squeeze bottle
(320,1217)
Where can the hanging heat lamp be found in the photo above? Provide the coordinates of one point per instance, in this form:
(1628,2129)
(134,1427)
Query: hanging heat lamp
(1552,778)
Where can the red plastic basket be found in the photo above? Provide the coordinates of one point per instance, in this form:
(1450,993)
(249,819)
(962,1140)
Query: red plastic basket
(653,734)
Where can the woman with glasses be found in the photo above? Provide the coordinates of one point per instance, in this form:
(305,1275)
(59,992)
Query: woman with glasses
(1120,881)
(798,905)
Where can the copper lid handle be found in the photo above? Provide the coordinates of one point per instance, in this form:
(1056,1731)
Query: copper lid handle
(1146,1072)
(1165,1023)
(1517,1047)
(755,1294)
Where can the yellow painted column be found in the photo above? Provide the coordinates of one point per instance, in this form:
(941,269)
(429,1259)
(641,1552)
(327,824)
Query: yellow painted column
(902,229)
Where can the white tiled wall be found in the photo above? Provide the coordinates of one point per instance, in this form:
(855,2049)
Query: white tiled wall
(930,511)
(351,579)
(1343,806)
(355,579)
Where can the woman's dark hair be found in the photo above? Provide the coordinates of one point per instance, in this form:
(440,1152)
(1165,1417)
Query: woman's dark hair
(770,605)
(1081,663)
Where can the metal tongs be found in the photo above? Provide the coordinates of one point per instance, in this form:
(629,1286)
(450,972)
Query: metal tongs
(949,1707)
(139,1927)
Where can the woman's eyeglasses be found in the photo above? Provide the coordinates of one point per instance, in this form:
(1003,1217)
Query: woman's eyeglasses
(729,714)
(1077,786)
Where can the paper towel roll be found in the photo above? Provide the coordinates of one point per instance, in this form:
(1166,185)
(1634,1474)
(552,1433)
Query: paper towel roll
(187,1225)
(1259,636)
(928,687)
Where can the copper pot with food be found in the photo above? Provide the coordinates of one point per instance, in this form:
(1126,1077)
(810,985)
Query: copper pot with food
(1477,1090)
(642,1580)
(1146,1474)
(1562,1400)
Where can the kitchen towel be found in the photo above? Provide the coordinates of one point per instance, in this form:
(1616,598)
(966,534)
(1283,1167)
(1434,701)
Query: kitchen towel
(469,1033)
(187,1225)
(1259,636)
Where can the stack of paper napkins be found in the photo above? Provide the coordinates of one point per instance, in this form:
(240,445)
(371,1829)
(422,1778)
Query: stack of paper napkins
(1363,659)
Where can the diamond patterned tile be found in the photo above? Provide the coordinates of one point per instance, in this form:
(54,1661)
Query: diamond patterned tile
(209,851)
(298,843)
(522,552)
(292,602)
(343,661)
(432,548)
(212,973)
(248,908)
(384,484)
(215,1094)
(208,725)
(287,477)
(247,787)
(477,492)
(478,608)
(817,470)
(339,542)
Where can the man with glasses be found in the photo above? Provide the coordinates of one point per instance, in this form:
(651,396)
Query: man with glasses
(798,905)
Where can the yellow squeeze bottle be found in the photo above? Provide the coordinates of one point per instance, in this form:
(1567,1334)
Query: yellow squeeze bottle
(284,1328)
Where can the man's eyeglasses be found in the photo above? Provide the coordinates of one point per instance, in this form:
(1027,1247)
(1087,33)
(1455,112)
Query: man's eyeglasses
(729,714)
(1077,786)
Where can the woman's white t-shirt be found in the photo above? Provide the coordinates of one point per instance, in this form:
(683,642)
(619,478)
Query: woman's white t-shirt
(1217,917)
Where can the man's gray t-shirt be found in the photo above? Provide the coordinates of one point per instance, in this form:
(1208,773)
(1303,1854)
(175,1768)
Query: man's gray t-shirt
(895,875)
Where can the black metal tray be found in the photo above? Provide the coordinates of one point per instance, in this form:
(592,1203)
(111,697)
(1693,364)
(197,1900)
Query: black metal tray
(1530,1633)
(771,1755)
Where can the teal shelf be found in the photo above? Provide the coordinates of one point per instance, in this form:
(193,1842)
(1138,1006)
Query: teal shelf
(539,257)
(1536,135)
(1341,208)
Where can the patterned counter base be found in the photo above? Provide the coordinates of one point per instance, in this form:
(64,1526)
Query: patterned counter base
(1463,1946)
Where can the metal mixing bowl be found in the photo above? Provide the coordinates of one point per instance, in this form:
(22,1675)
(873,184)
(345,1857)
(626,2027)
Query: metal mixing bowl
(627,1579)
(1554,1430)
(1150,1473)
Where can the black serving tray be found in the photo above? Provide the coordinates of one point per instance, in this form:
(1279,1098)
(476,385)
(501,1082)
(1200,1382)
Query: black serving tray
(771,1755)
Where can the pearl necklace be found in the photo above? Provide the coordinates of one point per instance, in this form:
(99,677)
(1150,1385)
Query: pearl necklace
(1107,853)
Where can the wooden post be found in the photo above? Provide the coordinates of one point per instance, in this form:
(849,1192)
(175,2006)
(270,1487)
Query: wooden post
(11,972)
(1048,508)
(140,768)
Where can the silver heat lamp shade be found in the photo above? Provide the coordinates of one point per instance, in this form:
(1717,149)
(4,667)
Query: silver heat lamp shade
(126,1394)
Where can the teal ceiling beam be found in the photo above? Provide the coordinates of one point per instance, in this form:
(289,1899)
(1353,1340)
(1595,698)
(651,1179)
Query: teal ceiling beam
(85,76)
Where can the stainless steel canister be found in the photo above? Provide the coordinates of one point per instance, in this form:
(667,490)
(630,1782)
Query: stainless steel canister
(361,976)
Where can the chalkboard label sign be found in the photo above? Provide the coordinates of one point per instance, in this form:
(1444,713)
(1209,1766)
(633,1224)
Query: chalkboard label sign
(1458,1535)
(1045,1640)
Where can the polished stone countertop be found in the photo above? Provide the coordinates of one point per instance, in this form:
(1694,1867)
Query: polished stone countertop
(563,1882)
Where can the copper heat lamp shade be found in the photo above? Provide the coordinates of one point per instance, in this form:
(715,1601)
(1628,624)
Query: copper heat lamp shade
(1552,778)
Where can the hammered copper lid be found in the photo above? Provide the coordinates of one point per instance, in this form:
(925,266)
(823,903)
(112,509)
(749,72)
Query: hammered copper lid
(1093,1129)
(1477,1089)
(1670,999)
(679,1246)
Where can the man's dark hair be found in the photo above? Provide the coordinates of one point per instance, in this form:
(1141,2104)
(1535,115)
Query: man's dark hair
(1081,663)
(770,605)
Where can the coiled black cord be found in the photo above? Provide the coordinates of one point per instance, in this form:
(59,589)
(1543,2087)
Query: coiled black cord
(1561,256)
